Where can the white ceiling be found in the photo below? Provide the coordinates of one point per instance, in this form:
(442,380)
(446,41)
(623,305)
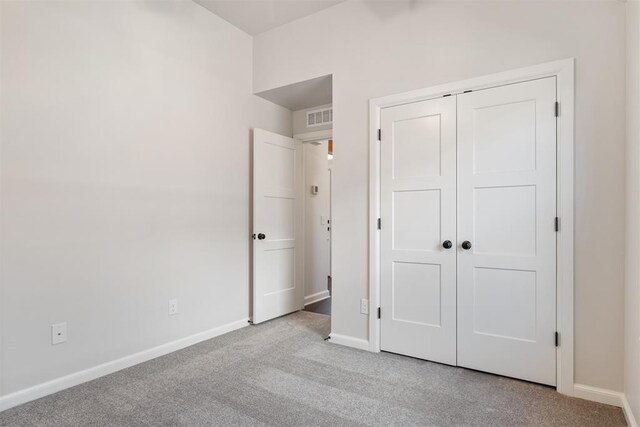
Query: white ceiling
(301,95)
(257,16)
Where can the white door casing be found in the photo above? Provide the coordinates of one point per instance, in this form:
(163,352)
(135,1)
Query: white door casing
(507,210)
(418,210)
(277,225)
(564,73)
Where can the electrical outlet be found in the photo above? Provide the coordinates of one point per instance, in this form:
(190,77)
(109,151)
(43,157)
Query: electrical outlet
(58,333)
(364,306)
(173,307)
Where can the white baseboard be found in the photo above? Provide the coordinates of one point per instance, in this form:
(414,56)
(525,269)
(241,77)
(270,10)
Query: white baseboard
(608,397)
(58,384)
(600,395)
(628,413)
(316,297)
(349,341)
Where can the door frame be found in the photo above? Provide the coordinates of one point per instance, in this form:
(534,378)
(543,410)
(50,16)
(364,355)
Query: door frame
(563,70)
(314,136)
(307,138)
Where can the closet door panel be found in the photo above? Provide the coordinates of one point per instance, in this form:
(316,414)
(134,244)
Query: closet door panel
(506,214)
(418,210)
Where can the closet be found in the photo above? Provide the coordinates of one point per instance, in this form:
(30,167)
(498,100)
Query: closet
(468,246)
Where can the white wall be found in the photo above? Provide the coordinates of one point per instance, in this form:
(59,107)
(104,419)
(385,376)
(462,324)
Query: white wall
(125,179)
(299,121)
(379,48)
(632,295)
(316,172)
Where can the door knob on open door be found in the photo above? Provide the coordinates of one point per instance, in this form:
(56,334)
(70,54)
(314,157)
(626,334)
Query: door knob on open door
(447,244)
(261,236)
(466,245)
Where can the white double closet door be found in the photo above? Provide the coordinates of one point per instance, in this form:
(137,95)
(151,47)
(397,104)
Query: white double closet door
(476,170)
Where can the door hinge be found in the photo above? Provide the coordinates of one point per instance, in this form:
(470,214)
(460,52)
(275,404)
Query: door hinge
(557,339)
(379,311)
(379,134)
(379,223)
(557,109)
(557,224)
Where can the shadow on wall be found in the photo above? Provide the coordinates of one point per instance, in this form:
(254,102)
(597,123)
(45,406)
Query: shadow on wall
(386,10)
(168,8)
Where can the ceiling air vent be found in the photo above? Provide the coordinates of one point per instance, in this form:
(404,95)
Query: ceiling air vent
(319,117)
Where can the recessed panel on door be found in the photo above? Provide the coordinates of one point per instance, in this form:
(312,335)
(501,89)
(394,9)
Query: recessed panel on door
(504,303)
(498,148)
(417,293)
(418,179)
(505,220)
(416,220)
(417,144)
(506,236)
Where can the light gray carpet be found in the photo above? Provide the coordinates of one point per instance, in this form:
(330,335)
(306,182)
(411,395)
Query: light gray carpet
(283,373)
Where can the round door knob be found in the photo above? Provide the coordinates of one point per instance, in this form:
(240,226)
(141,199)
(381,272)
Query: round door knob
(466,245)
(261,236)
(447,244)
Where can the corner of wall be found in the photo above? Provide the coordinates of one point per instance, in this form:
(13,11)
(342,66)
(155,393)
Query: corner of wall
(632,226)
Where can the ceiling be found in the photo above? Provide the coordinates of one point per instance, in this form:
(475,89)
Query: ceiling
(301,95)
(257,16)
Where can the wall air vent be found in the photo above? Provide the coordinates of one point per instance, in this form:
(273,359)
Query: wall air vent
(319,117)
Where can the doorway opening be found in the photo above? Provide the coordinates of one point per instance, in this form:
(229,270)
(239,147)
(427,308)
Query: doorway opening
(291,245)
(318,159)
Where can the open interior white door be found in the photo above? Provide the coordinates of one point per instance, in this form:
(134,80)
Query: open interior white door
(277,225)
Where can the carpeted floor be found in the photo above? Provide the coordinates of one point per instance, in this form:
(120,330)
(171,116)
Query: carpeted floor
(283,373)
